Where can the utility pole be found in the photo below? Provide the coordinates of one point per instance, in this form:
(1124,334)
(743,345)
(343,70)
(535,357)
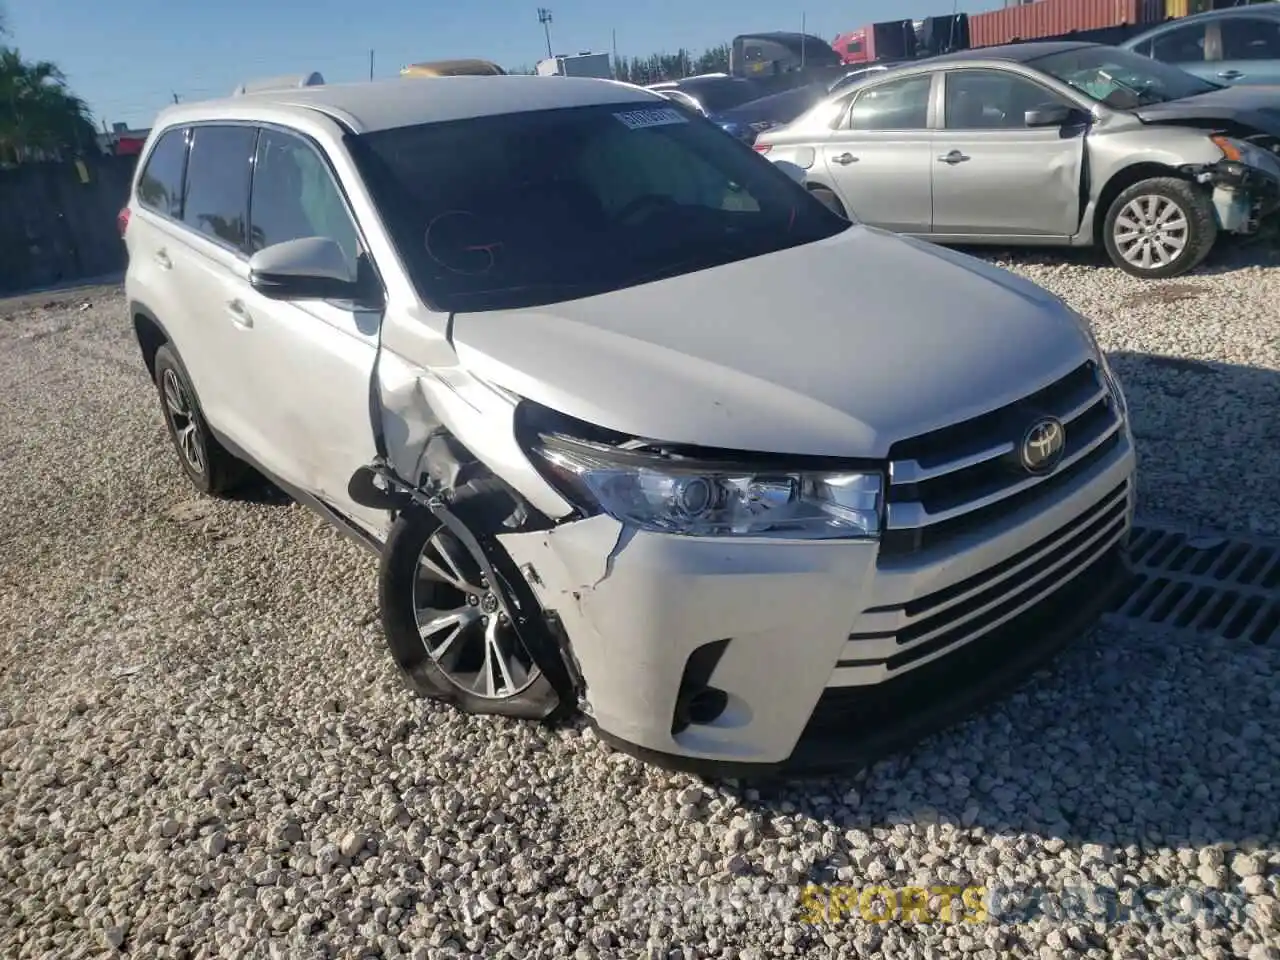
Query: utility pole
(544,18)
(370,64)
(175,98)
(803,37)
(615,54)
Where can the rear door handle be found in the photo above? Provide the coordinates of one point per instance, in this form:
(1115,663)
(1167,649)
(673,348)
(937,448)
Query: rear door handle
(844,159)
(1231,74)
(163,260)
(239,315)
(955,156)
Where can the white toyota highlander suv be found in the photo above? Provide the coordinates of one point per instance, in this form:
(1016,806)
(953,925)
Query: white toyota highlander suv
(638,427)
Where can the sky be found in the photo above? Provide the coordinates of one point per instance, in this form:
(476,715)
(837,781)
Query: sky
(128,58)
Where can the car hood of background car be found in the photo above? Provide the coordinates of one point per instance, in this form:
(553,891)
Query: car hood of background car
(1253,105)
(834,348)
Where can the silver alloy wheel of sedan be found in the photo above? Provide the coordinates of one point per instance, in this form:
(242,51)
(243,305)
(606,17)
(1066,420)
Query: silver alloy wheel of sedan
(186,428)
(466,629)
(1151,231)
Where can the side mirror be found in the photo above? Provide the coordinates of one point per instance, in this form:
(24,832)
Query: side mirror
(792,170)
(1051,115)
(310,268)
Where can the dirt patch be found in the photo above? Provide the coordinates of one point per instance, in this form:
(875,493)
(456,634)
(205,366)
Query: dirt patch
(1166,293)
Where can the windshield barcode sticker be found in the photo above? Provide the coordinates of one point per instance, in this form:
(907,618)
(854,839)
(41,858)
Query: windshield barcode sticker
(659,117)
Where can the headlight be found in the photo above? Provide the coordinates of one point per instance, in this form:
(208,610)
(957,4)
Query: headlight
(1113,384)
(705,499)
(1251,155)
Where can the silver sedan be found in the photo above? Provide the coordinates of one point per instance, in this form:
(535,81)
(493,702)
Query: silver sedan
(1066,143)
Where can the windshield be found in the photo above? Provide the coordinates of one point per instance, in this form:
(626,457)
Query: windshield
(1120,79)
(715,97)
(530,208)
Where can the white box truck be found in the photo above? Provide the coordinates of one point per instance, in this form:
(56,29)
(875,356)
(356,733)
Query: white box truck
(581,65)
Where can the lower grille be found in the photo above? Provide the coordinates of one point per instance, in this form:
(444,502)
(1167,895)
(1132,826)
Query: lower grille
(845,712)
(928,627)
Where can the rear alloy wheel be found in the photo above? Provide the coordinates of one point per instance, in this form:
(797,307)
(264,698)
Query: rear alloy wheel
(1160,228)
(207,464)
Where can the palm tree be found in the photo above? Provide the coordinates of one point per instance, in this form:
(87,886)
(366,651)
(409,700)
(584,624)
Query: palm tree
(38,113)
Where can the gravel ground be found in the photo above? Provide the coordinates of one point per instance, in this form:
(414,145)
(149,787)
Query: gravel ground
(204,750)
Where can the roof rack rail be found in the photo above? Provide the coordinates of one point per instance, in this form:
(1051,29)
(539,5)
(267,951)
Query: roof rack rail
(288,82)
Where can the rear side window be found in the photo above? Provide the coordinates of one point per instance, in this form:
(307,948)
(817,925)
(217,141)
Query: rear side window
(160,186)
(1184,45)
(217,203)
(1246,38)
(892,105)
(294,196)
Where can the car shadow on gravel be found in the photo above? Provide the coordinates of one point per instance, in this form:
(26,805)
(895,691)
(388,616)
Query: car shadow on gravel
(1135,735)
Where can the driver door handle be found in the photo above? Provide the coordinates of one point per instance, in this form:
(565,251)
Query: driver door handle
(844,159)
(239,315)
(955,156)
(1231,75)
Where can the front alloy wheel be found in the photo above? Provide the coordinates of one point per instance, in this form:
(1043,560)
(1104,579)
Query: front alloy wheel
(449,626)
(1160,228)
(465,627)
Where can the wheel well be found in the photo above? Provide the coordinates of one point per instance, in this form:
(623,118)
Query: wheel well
(1122,181)
(811,187)
(150,339)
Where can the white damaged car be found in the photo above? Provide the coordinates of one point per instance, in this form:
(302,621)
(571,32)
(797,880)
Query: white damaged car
(639,428)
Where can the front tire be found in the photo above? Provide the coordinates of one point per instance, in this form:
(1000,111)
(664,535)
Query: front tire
(1160,228)
(447,627)
(207,464)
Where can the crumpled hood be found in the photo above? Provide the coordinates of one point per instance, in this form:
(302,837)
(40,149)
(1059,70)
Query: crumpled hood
(1255,105)
(835,348)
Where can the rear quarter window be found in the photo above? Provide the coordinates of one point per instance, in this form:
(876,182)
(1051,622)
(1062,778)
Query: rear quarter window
(160,186)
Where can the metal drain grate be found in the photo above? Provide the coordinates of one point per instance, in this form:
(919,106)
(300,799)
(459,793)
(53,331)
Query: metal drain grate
(1205,583)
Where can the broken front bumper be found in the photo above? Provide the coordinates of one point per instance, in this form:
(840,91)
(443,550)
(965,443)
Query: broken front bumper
(1242,195)
(820,654)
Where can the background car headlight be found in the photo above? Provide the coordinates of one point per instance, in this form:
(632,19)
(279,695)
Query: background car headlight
(703,499)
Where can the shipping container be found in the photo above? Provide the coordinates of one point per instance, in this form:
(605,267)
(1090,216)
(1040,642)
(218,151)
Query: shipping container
(938,35)
(1185,8)
(892,40)
(1054,18)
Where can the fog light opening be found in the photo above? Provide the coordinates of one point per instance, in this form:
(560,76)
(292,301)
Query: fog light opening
(699,708)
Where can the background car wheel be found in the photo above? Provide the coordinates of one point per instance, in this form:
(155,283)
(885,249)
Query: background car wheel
(1160,228)
(209,467)
(829,198)
(448,628)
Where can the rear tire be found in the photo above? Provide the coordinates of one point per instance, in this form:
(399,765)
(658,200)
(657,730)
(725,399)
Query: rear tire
(831,201)
(1160,228)
(447,628)
(207,464)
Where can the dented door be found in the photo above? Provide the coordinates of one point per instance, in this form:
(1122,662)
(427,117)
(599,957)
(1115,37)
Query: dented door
(993,175)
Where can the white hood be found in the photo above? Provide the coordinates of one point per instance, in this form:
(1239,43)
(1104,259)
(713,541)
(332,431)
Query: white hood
(836,348)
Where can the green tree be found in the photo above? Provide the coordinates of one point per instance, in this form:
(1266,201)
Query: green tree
(673,66)
(39,115)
